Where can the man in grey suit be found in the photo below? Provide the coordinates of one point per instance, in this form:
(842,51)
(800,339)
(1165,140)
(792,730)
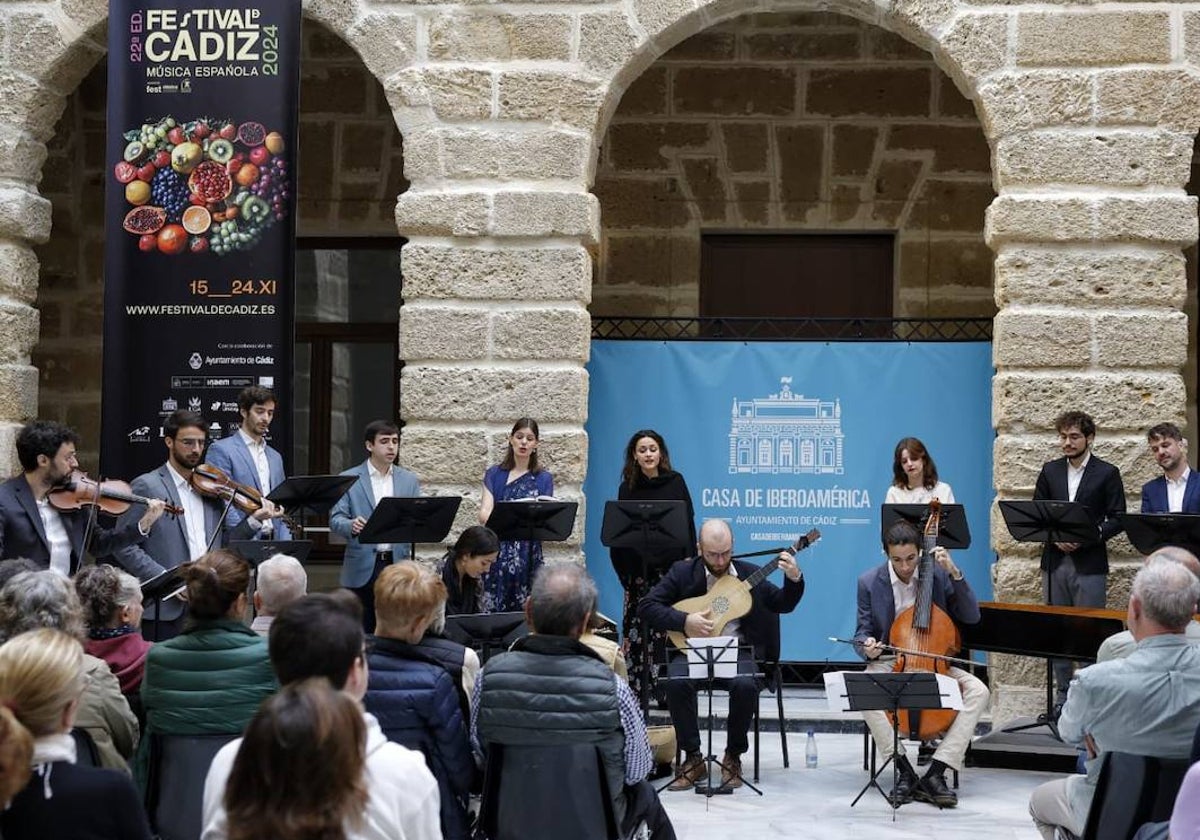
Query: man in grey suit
(247,458)
(189,536)
(378,478)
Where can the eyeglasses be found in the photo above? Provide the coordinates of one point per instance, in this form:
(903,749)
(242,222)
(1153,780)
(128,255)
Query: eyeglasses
(718,555)
(192,443)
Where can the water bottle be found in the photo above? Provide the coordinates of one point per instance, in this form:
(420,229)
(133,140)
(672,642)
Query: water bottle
(810,751)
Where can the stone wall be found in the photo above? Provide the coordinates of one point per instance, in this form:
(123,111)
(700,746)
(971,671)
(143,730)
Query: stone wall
(793,122)
(350,171)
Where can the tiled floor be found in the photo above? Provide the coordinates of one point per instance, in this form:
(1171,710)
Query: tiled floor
(815,804)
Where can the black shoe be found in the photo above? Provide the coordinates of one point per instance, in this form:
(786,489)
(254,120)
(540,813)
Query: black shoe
(903,792)
(934,790)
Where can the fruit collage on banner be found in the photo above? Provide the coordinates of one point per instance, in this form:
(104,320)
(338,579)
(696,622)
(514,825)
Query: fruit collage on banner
(205,185)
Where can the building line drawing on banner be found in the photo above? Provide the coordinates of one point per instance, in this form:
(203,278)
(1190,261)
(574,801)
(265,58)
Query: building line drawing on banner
(786,432)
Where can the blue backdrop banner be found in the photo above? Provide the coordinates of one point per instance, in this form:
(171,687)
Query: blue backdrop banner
(780,438)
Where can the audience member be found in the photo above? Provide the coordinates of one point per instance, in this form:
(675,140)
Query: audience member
(461,661)
(606,649)
(11,568)
(1147,703)
(211,678)
(42,681)
(16,755)
(464,566)
(549,689)
(112,609)
(33,600)
(412,695)
(321,636)
(1120,645)
(281,579)
(1185,818)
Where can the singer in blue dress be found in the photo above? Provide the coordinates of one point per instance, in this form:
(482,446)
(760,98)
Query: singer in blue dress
(518,476)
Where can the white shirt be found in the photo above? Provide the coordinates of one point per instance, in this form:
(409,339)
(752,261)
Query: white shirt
(258,451)
(193,514)
(920,496)
(903,594)
(1075,475)
(381,487)
(710,580)
(56,535)
(1175,491)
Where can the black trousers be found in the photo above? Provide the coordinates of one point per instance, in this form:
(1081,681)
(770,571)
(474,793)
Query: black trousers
(743,698)
(366,592)
(643,805)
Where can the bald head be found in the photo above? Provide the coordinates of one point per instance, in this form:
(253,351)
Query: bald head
(561,600)
(1177,555)
(1162,599)
(716,545)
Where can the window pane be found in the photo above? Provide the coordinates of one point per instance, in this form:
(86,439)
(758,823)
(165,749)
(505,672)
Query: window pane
(301,402)
(345,285)
(364,389)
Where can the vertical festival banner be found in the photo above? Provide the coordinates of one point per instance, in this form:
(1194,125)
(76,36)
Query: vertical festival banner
(199,217)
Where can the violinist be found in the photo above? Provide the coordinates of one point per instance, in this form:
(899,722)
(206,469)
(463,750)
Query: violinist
(31,527)
(247,458)
(186,538)
(883,593)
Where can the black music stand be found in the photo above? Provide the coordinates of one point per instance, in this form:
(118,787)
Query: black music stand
(645,525)
(311,493)
(158,588)
(953,531)
(410,519)
(255,552)
(487,633)
(1151,531)
(533,520)
(891,692)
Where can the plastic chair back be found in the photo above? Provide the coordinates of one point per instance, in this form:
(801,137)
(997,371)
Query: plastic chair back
(175,782)
(1131,790)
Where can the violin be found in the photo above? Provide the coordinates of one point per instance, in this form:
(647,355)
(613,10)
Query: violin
(208,480)
(929,636)
(110,495)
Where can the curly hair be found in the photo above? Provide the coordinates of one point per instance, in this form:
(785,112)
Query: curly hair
(103,591)
(32,600)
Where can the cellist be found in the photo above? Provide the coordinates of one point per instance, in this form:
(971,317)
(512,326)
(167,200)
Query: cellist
(884,593)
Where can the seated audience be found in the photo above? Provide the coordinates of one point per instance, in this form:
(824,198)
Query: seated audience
(607,649)
(13,567)
(112,610)
(321,637)
(549,676)
(211,678)
(1120,645)
(42,681)
(464,566)
(32,600)
(280,580)
(1147,703)
(1185,818)
(412,695)
(16,756)
(461,661)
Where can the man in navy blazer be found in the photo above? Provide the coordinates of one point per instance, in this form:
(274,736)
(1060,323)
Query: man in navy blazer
(189,535)
(247,458)
(31,527)
(885,591)
(758,628)
(1076,574)
(378,478)
(1177,490)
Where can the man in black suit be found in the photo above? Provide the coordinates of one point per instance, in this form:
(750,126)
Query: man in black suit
(189,536)
(31,527)
(758,628)
(1076,574)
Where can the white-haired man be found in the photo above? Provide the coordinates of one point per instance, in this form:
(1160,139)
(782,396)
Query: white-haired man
(280,580)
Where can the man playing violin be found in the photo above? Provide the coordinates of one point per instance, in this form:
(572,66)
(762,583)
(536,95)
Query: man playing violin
(883,593)
(759,628)
(189,535)
(247,458)
(31,527)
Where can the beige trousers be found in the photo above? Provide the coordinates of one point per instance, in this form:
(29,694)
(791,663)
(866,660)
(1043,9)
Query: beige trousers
(1050,807)
(957,738)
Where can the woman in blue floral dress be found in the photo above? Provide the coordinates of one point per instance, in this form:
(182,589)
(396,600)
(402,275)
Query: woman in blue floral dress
(518,476)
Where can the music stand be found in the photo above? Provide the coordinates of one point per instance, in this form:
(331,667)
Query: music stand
(314,493)
(891,692)
(1049,520)
(533,520)
(157,589)
(487,632)
(1151,531)
(410,519)
(643,526)
(953,531)
(255,552)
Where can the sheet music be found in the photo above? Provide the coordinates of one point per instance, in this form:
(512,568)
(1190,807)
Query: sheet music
(724,657)
(835,691)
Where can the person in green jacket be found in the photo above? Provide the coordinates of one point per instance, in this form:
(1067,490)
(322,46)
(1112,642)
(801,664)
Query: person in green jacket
(211,678)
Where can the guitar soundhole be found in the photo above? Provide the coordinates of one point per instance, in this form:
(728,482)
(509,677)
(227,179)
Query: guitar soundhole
(720,605)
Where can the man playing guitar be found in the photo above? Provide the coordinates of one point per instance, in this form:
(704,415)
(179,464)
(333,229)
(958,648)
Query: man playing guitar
(758,628)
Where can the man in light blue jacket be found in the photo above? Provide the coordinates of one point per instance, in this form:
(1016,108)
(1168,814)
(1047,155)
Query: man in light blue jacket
(378,478)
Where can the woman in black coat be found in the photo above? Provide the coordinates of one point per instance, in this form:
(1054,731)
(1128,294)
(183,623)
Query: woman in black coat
(647,476)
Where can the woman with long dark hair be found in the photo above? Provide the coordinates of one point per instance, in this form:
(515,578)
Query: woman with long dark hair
(915,476)
(648,476)
(518,476)
(465,565)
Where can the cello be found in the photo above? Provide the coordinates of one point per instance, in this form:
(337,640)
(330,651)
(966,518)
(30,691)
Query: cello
(928,635)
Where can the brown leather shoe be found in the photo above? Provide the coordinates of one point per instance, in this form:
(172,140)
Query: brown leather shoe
(731,771)
(689,773)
